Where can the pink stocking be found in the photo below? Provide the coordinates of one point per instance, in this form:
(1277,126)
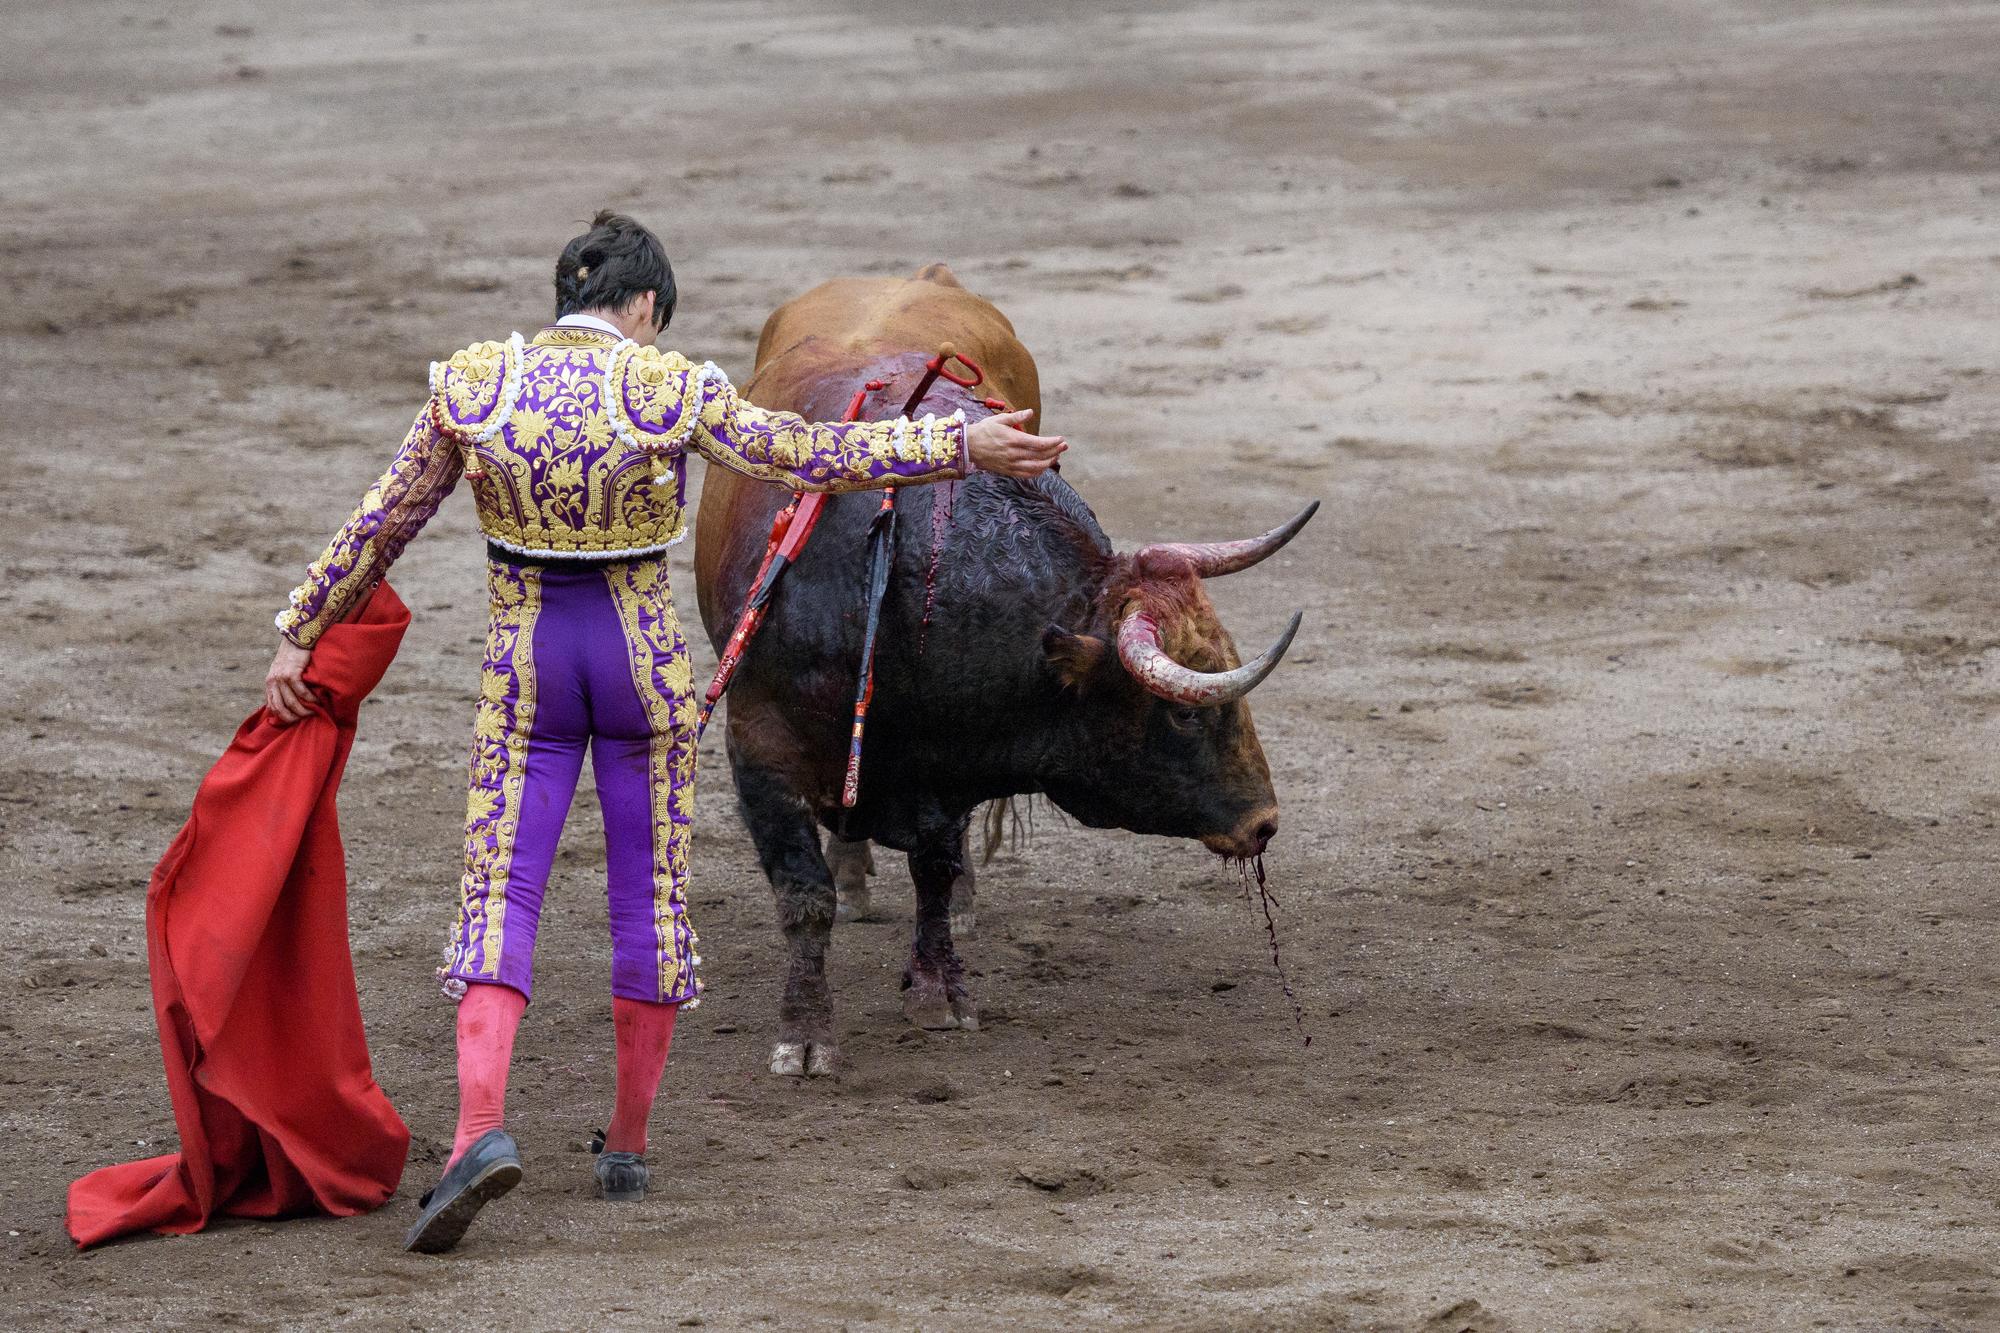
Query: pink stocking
(487,1019)
(644,1031)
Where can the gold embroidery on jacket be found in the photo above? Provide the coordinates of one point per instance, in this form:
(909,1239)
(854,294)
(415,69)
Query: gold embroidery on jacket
(472,380)
(572,336)
(557,479)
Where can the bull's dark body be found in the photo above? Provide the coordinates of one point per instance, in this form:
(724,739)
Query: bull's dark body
(957,719)
(983,702)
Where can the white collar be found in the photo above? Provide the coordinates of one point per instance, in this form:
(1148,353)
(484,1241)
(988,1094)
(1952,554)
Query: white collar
(589,322)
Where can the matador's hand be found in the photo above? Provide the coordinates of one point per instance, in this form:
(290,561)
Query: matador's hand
(997,445)
(285,691)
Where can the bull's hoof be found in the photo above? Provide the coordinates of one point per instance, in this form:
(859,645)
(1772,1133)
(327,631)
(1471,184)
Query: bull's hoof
(932,1008)
(804,1059)
(851,904)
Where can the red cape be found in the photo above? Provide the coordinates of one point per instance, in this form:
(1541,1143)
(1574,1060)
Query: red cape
(253,984)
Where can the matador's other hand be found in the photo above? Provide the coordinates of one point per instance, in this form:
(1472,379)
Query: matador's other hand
(285,691)
(998,445)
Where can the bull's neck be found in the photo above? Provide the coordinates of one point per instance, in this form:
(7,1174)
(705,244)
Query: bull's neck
(1004,720)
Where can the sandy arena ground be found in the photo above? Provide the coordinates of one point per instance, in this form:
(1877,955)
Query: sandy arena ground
(1636,759)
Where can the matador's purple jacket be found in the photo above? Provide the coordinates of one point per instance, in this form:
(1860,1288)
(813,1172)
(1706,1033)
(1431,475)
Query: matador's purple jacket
(576,446)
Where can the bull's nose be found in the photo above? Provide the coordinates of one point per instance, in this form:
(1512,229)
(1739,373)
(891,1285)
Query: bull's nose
(1255,832)
(1266,830)
(1248,837)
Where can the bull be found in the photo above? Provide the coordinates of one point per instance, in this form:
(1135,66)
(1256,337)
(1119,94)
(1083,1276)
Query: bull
(1019,653)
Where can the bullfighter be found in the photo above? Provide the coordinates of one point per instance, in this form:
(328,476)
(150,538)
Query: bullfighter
(575,442)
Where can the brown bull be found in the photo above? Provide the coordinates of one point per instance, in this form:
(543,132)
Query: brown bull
(1019,653)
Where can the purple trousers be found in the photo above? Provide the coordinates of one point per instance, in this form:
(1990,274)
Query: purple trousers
(580,659)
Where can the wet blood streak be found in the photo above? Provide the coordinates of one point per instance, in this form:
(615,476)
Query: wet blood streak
(1245,866)
(940,520)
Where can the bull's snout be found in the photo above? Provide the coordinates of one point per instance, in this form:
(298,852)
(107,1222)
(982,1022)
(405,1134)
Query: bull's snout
(1267,829)
(1252,834)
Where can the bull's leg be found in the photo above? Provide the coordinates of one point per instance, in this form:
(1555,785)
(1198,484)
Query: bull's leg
(962,891)
(788,847)
(851,863)
(934,994)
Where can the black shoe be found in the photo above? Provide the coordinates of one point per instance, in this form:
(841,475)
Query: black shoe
(490,1167)
(622,1177)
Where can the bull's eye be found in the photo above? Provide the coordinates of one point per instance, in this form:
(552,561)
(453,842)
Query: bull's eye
(1185,717)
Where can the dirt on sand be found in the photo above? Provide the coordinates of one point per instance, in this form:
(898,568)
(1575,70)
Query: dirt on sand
(1637,757)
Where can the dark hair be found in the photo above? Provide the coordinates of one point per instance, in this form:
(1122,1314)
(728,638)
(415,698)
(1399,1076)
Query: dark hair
(616,260)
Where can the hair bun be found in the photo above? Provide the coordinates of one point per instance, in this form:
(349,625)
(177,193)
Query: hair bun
(609,266)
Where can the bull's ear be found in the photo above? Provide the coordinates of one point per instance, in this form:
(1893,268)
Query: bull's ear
(1074,656)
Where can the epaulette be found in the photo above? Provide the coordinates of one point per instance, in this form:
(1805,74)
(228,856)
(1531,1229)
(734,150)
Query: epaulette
(654,398)
(473,392)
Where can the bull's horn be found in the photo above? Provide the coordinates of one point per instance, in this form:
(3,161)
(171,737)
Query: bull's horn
(1214,559)
(1139,649)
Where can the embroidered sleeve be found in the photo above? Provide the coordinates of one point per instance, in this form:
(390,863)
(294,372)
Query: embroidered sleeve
(394,509)
(663,404)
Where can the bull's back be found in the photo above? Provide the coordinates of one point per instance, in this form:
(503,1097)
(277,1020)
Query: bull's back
(848,320)
(814,352)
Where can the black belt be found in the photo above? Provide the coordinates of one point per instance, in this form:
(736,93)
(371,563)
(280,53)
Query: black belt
(581,560)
